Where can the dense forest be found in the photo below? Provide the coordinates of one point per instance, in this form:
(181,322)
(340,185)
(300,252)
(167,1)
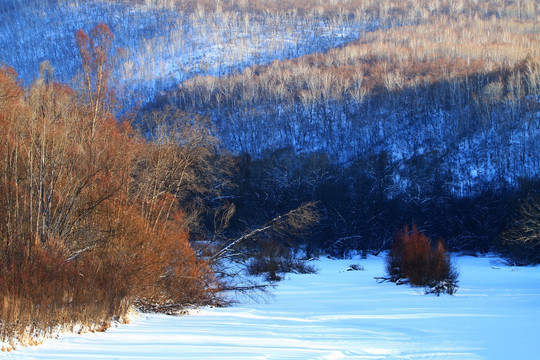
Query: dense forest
(155,152)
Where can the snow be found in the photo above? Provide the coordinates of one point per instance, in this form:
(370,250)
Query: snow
(162,47)
(337,314)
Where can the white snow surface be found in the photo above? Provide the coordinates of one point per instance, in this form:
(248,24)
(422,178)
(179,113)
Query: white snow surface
(338,314)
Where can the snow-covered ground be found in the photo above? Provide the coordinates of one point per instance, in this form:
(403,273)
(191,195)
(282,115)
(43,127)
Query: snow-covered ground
(338,314)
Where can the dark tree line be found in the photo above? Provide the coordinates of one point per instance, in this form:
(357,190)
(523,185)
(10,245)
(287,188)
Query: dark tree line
(361,209)
(405,125)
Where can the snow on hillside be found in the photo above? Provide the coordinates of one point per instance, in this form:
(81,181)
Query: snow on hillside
(162,47)
(338,314)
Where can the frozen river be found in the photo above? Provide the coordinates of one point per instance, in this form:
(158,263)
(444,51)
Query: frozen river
(337,314)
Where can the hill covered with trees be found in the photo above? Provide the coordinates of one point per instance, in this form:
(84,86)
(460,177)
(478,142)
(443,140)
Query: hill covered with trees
(151,149)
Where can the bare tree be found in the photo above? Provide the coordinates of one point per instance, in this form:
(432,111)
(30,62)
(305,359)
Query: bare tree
(177,166)
(97,59)
(525,231)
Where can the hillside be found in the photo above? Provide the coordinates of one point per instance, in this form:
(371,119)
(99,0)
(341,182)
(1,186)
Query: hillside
(158,154)
(416,106)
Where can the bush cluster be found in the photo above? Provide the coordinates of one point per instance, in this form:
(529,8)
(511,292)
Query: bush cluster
(40,292)
(275,259)
(412,258)
(91,217)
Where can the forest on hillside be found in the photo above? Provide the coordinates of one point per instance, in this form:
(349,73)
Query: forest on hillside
(154,152)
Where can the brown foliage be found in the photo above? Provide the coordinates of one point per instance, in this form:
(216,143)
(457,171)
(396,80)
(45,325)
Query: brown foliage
(45,290)
(413,257)
(75,226)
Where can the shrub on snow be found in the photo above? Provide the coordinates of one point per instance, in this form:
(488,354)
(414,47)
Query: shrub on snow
(413,259)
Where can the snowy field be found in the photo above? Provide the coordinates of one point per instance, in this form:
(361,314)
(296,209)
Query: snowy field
(338,314)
